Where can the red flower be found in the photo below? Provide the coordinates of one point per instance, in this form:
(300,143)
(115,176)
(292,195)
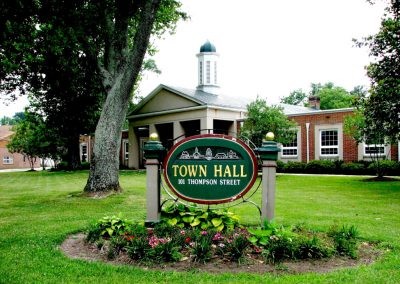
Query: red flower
(187,240)
(129,238)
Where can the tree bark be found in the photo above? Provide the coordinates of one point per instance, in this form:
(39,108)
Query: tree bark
(104,168)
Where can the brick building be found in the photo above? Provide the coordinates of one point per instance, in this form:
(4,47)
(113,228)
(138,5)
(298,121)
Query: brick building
(86,143)
(175,112)
(11,160)
(320,136)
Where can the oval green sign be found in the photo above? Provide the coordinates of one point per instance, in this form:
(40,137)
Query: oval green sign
(210,169)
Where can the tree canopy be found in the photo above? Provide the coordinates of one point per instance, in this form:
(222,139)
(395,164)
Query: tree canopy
(81,59)
(382,107)
(262,119)
(5,120)
(34,139)
(331,96)
(296,97)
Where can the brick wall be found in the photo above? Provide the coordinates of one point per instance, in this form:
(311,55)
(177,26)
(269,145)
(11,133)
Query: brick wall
(350,149)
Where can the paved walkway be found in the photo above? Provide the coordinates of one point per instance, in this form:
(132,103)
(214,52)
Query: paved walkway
(20,170)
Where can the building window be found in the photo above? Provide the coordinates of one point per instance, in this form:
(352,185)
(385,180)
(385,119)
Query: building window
(84,152)
(329,143)
(8,160)
(290,149)
(374,150)
(126,149)
(215,72)
(208,72)
(201,73)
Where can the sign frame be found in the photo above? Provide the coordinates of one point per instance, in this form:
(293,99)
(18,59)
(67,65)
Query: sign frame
(247,154)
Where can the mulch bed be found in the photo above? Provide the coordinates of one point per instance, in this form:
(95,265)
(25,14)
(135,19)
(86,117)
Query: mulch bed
(76,247)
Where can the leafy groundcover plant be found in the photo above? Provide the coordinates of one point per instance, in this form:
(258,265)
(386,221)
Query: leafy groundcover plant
(170,243)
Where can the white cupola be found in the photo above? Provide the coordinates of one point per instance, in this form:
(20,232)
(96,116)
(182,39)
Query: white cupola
(208,68)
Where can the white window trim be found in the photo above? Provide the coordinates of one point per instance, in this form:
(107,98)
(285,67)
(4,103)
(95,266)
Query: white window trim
(291,148)
(81,151)
(125,153)
(328,147)
(374,145)
(8,160)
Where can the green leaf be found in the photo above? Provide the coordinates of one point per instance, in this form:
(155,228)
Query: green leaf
(195,222)
(172,221)
(110,231)
(188,219)
(263,241)
(216,222)
(204,226)
(204,215)
(220,227)
(253,240)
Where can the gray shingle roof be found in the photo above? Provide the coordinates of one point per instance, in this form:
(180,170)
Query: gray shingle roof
(292,109)
(212,99)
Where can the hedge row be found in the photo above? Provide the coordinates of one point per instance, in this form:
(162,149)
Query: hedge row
(389,168)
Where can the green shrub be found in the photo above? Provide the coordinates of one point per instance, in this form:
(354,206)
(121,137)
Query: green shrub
(235,246)
(117,244)
(137,248)
(338,166)
(387,167)
(345,239)
(202,247)
(280,166)
(62,166)
(313,248)
(85,165)
(186,217)
(320,167)
(282,244)
(353,168)
(294,167)
(163,249)
(107,227)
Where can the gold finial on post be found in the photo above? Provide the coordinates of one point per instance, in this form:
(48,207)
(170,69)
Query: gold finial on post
(153,136)
(270,136)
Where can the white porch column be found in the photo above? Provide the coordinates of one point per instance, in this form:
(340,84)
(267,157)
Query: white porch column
(133,161)
(178,131)
(206,123)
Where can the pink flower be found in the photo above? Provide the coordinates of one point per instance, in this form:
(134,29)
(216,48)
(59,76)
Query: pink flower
(183,232)
(221,245)
(218,237)
(153,241)
(203,233)
(257,249)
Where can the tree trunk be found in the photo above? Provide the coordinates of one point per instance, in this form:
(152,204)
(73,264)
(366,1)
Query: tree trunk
(104,166)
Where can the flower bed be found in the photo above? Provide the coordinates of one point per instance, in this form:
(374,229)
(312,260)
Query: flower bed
(166,243)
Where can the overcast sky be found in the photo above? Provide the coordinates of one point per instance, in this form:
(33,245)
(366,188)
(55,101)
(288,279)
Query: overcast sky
(267,48)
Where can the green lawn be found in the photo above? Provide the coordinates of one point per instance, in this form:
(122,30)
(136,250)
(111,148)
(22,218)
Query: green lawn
(38,210)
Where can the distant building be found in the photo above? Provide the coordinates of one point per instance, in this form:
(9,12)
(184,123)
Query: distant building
(175,113)
(86,143)
(11,160)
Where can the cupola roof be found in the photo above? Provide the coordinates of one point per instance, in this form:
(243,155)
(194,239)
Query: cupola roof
(208,47)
